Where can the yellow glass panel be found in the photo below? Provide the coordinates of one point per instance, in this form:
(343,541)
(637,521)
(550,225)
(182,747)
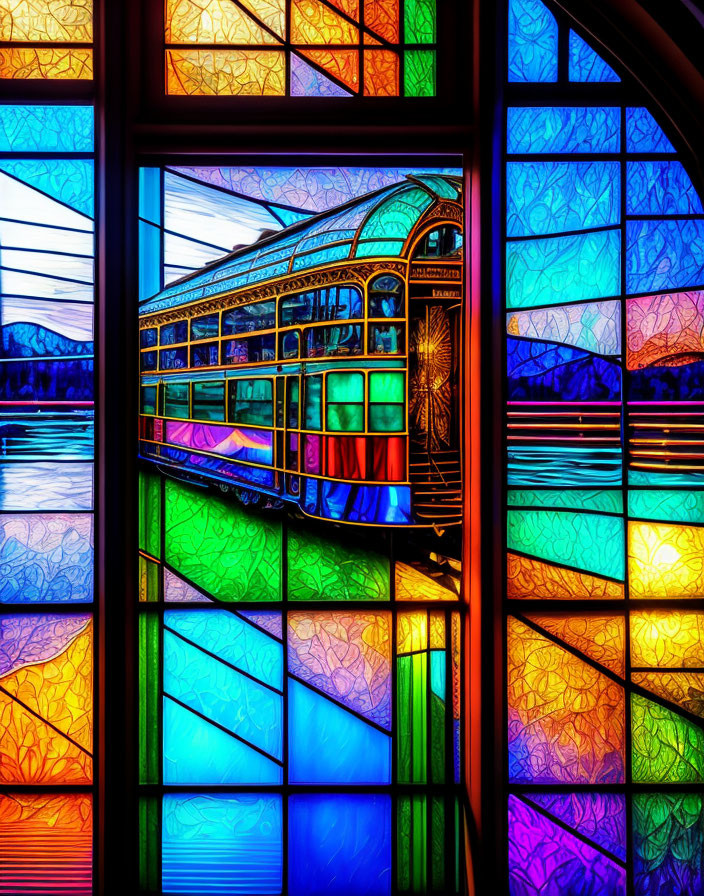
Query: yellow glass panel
(225,72)
(437,630)
(665,560)
(528,578)
(686,689)
(412,632)
(567,717)
(667,638)
(601,638)
(314,23)
(271,12)
(46,62)
(212,22)
(414,584)
(69,21)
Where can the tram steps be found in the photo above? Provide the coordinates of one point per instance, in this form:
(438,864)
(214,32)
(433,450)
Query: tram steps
(436,482)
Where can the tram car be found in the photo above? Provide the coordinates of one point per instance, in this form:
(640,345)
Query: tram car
(320,366)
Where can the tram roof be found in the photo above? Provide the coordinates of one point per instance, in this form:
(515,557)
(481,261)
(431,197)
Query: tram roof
(376,224)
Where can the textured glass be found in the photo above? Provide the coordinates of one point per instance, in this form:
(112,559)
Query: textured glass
(583,266)
(586,65)
(225,72)
(598,817)
(667,748)
(660,188)
(594,327)
(419,73)
(563,129)
(532,42)
(66,21)
(601,638)
(42,62)
(667,638)
(665,560)
(46,129)
(528,578)
(664,330)
(643,133)
(551,197)
(149,649)
(664,255)
(668,835)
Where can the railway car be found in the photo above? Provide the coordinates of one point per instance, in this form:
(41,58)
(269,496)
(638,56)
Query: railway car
(320,366)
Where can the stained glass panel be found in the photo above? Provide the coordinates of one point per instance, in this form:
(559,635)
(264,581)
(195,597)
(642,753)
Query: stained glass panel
(28,28)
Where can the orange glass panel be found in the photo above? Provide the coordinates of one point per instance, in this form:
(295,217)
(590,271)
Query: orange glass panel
(565,719)
(686,689)
(601,638)
(667,638)
(212,22)
(46,62)
(665,560)
(666,327)
(528,578)
(381,16)
(349,7)
(341,64)
(68,21)
(380,73)
(314,23)
(225,72)
(271,13)
(412,632)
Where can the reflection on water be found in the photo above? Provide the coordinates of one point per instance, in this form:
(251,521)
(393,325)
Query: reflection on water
(56,435)
(46,485)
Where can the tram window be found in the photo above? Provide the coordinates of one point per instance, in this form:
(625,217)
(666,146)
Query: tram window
(386,339)
(386,297)
(443,242)
(387,394)
(176,400)
(209,401)
(345,402)
(293,403)
(205,327)
(206,355)
(248,318)
(148,361)
(250,349)
(170,334)
(313,386)
(339,340)
(149,399)
(147,338)
(289,345)
(319,305)
(173,358)
(251,401)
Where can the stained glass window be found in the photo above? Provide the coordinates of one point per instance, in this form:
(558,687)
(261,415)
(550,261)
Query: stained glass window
(46,495)
(300,687)
(46,39)
(603,286)
(313,48)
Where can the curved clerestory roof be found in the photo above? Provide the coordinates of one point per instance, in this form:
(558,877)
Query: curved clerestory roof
(377,224)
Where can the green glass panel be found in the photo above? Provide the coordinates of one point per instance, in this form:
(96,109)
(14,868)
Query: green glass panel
(150,514)
(176,400)
(321,568)
(437,845)
(387,387)
(412,728)
(230,552)
(419,75)
(345,387)
(609,501)
(420,21)
(667,748)
(667,505)
(395,218)
(149,399)
(386,418)
(149,844)
(575,539)
(313,411)
(148,580)
(412,847)
(345,418)
(437,716)
(148,698)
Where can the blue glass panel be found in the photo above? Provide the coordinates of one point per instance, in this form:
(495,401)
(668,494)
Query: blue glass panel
(339,845)
(225,844)
(659,479)
(532,42)
(69,180)
(384,504)
(232,639)
(218,692)
(665,383)
(564,129)
(196,752)
(600,817)
(150,210)
(46,485)
(664,255)
(330,745)
(556,466)
(564,268)
(660,188)
(643,133)
(551,197)
(585,64)
(437,673)
(543,371)
(46,128)
(307,81)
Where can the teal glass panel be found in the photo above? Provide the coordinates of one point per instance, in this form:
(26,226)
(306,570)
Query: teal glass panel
(397,216)
(345,387)
(667,505)
(575,539)
(547,271)
(46,128)
(313,386)
(387,387)
(386,418)
(610,501)
(382,248)
(176,400)
(345,418)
